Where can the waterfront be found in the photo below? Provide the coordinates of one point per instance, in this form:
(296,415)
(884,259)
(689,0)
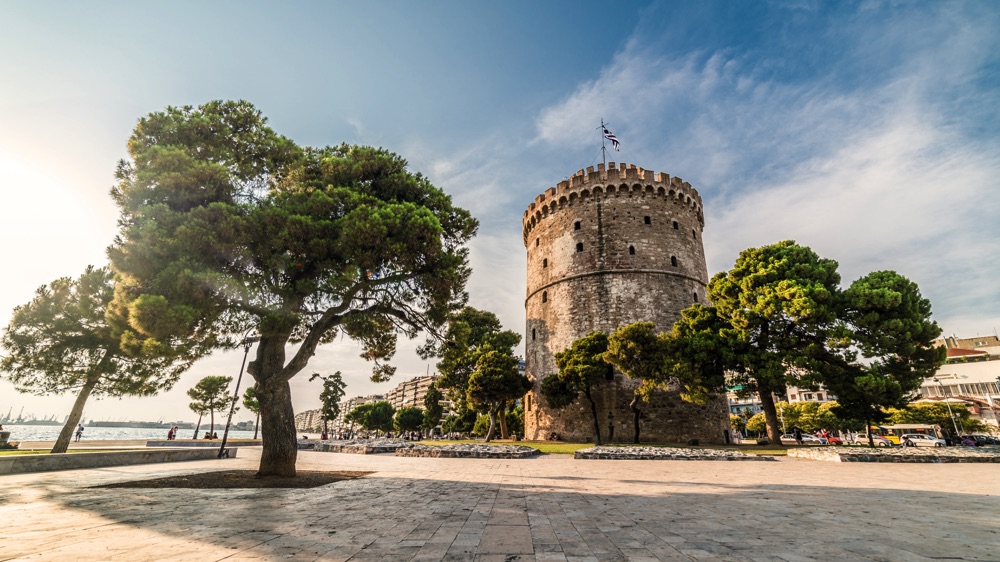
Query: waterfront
(51,432)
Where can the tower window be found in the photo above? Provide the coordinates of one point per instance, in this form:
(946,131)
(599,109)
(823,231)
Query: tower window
(647,220)
(695,296)
(532,334)
(545,296)
(677,225)
(527,402)
(576,225)
(694,234)
(545,262)
(536,242)
(631,250)
(673,261)
(579,246)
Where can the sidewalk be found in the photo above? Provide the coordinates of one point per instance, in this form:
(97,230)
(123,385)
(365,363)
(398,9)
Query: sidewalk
(548,508)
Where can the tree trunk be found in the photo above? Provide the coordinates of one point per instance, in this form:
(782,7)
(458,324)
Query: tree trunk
(634,406)
(211,426)
(197,426)
(593,415)
(493,421)
(62,442)
(504,434)
(256,426)
(771,416)
(868,431)
(280,447)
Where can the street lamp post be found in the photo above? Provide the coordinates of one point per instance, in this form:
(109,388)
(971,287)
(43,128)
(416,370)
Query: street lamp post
(247,343)
(950,414)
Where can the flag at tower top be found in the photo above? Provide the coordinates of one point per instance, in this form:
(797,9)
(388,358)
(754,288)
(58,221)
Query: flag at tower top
(611,137)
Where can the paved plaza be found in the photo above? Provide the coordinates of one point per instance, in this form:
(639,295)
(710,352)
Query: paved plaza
(546,508)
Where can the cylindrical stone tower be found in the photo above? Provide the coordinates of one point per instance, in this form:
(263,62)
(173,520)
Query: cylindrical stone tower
(608,248)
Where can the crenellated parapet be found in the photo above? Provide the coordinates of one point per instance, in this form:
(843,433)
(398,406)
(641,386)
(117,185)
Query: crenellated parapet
(614,180)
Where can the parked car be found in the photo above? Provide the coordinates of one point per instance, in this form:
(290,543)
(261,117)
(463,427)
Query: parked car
(987,439)
(831,440)
(923,440)
(862,439)
(789,439)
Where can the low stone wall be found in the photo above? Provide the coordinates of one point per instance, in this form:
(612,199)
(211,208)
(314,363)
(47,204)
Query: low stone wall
(665,454)
(469,451)
(216,443)
(355,446)
(896,454)
(15,464)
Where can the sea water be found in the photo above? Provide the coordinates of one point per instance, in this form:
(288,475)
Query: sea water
(51,432)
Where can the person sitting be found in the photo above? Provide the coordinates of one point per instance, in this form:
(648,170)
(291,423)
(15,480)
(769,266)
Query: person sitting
(906,442)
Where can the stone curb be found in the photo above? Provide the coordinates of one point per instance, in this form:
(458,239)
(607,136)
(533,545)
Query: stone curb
(916,455)
(664,454)
(15,464)
(454,452)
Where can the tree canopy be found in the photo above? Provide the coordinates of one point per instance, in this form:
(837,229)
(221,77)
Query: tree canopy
(67,340)
(409,418)
(225,225)
(581,368)
(209,395)
(329,397)
(495,381)
(433,410)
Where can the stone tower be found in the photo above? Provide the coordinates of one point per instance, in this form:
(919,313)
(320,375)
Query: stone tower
(606,248)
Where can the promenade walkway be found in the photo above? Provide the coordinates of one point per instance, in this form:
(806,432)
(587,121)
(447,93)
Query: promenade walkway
(547,508)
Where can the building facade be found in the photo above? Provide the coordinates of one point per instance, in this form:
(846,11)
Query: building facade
(969,376)
(606,248)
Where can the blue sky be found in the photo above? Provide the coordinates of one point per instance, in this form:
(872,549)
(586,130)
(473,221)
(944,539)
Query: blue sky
(866,130)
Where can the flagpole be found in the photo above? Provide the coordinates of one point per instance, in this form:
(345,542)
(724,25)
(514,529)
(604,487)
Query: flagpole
(604,150)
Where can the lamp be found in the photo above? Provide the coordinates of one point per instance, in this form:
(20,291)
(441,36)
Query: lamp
(946,403)
(247,342)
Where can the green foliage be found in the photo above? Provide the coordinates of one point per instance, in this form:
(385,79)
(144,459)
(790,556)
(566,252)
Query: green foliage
(333,391)
(515,421)
(250,401)
(67,340)
(409,418)
(888,324)
(210,394)
(459,423)
(495,381)
(374,416)
(482,425)
(581,368)
(737,422)
(225,224)
(936,413)
(809,416)
(777,306)
(757,423)
(471,332)
(641,354)
(64,339)
(433,410)
(698,354)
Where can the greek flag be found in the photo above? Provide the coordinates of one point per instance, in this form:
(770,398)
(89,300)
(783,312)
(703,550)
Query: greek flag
(611,137)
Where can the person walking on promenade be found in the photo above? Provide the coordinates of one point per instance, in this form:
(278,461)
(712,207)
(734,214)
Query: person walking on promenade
(79,431)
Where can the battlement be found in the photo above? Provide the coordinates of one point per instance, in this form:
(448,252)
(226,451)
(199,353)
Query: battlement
(627,179)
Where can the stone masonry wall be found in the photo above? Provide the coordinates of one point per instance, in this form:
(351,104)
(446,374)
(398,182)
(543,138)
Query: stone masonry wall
(608,248)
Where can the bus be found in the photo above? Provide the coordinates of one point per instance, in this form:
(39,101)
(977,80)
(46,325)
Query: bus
(892,432)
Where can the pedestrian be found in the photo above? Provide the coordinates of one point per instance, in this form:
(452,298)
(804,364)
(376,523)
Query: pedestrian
(798,435)
(79,431)
(906,442)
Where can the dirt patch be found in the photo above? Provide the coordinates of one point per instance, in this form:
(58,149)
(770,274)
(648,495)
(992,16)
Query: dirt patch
(241,479)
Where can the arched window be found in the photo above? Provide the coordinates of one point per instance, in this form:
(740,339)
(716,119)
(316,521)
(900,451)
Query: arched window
(647,220)
(579,246)
(631,250)
(677,225)
(673,261)
(576,225)
(545,296)
(545,262)
(695,296)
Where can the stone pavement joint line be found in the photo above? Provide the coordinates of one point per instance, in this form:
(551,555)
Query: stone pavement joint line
(543,509)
